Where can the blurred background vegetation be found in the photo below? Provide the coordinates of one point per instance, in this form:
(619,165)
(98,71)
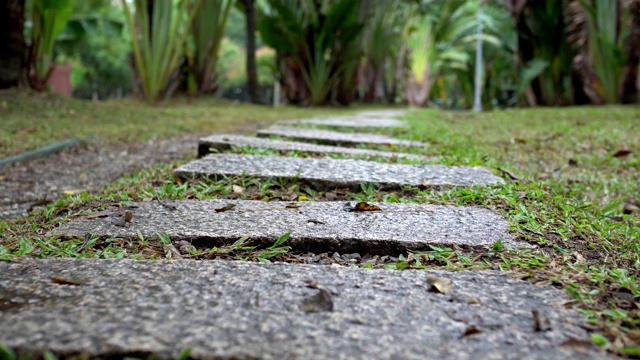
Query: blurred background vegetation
(330,52)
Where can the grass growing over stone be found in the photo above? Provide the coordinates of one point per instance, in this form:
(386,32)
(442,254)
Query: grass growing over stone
(572,180)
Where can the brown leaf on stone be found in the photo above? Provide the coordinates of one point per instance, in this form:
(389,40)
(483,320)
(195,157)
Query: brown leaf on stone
(315,221)
(363,206)
(622,153)
(227,207)
(439,285)
(67,281)
(540,322)
(471,330)
(128,216)
(292,206)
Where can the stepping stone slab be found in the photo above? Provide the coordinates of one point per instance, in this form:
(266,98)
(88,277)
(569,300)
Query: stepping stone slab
(381,113)
(314,226)
(335,138)
(240,310)
(327,173)
(351,122)
(224,142)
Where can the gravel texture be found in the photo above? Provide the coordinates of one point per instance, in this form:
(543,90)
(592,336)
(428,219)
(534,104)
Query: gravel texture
(244,310)
(328,173)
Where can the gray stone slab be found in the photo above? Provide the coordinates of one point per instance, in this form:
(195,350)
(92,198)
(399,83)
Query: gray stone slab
(355,122)
(314,226)
(381,113)
(224,142)
(239,310)
(336,138)
(328,173)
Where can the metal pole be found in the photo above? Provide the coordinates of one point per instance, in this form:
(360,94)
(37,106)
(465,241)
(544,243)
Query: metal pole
(477,101)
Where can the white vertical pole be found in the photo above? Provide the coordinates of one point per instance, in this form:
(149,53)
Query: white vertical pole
(276,93)
(477,101)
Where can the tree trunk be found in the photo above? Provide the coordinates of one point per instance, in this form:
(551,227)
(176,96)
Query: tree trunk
(12,45)
(398,74)
(629,87)
(252,71)
(419,90)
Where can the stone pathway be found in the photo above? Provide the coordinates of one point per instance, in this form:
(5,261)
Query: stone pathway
(327,173)
(328,137)
(314,226)
(239,310)
(225,142)
(357,122)
(228,309)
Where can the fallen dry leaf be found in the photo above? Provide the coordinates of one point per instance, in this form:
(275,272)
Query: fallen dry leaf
(24,130)
(73,191)
(225,208)
(237,189)
(103,213)
(438,284)
(622,153)
(302,198)
(630,206)
(510,174)
(540,322)
(361,206)
(471,330)
(67,281)
(319,302)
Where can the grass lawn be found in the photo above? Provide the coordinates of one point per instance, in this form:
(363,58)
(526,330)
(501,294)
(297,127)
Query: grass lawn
(572,187)
(31,120)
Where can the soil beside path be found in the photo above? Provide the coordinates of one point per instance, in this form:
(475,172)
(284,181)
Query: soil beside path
(87,166)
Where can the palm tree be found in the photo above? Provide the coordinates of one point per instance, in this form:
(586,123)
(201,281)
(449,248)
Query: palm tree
(437,41)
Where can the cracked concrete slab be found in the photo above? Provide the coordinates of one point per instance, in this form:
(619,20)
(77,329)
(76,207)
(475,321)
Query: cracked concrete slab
(328,173)
(224,142)
(328,137)
(244,310)
(355,122)
(314,226)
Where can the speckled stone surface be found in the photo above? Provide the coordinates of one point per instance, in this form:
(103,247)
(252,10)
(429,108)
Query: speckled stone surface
(335,138)
(356,122)
(224,142)
(240,310)
(314,226)
(328,173)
